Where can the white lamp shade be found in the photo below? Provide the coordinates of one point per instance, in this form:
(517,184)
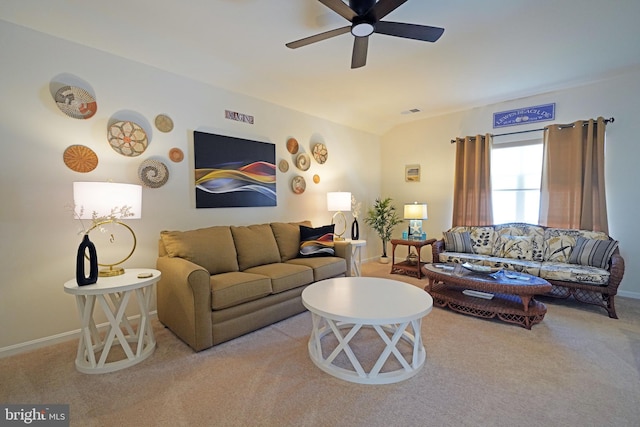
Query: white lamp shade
(103,197)
(415,211)
(339,201)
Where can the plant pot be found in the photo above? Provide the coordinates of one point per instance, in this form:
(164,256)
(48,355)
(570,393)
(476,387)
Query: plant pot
(384,260)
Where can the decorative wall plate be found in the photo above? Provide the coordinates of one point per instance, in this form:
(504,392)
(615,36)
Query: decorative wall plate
(320,153)
(283,165)
(316,179)
(164,123)
(292,145)
(80,158)
(127,138)
(298,184)
(303,161)
(153,173)
(176,155)
(76,102)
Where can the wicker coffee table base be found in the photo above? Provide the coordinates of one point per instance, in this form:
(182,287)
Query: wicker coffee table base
(508,308)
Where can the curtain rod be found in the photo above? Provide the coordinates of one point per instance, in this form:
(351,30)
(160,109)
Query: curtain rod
(606,121)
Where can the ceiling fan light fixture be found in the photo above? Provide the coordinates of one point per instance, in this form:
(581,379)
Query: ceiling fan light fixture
(365,17)
(362,29)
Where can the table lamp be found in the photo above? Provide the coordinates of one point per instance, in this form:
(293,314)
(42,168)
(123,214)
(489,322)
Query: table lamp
(101,202)
(415,212)
(339,201)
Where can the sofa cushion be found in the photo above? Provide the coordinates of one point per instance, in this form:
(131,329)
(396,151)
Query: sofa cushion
(516,247)
(255,245)
(521,265)
(457,242)
(316,241)
(462,257)
(559,242)
(595,253)
(211,248)
(284,276)
(287,236)
(483,240)
(230,289)
(551,270)
(536,232)
(323,267)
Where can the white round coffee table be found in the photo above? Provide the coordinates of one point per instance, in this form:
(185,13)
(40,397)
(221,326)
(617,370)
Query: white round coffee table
(352,303)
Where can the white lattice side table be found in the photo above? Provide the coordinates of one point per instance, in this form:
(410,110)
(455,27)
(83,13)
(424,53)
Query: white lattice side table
(113,295)
(356,256)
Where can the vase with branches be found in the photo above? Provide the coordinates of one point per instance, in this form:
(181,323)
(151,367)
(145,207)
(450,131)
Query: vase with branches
(382,217)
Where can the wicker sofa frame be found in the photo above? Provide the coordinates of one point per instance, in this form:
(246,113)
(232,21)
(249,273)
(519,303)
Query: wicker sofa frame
(601,296)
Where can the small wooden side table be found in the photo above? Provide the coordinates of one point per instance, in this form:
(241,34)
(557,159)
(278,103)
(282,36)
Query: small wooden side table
(406,267)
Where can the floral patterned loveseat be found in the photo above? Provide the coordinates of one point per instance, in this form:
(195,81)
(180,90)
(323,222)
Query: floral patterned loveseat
(580,263)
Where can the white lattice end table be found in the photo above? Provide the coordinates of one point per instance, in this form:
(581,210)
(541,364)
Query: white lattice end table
(356,256)
(113,295)
(344,306)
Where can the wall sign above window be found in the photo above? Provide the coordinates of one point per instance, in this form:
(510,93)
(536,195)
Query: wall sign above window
(521,116)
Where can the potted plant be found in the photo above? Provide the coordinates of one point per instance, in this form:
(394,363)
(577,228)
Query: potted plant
(382,217)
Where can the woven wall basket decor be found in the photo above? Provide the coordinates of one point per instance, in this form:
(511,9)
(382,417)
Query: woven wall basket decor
(80,158)
(127,138)
(153,173)
(76,102)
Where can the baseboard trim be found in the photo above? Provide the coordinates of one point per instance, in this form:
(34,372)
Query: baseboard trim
(627,294)
(24,347)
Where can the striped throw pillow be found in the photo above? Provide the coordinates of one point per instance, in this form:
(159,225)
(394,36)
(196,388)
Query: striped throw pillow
(458,242)
(595,253)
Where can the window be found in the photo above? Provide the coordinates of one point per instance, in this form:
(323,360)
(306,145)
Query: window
(516,170)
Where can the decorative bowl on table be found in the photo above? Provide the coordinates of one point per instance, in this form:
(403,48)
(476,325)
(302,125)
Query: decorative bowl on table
(481,268)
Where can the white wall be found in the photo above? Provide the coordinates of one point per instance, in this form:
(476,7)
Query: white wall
(39,236)
(427,142)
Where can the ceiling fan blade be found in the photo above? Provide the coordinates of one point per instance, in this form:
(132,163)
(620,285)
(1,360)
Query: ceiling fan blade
(384,7)
(359,56)
(341,8)
(318,37)
(409,31)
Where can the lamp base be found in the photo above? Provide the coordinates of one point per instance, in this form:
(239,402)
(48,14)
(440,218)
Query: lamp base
(412,258)
(111,272)
(339,217)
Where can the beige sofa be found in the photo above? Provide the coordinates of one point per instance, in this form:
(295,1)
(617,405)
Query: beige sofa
(580,263)
(224,281)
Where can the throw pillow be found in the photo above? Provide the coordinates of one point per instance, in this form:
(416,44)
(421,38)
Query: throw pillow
(316,242)
(458,242)
(516,247)
(595,253)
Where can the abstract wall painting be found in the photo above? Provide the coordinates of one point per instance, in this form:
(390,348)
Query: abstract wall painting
(233,172)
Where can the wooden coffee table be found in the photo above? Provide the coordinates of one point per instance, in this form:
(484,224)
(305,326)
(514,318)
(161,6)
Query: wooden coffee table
(512,297)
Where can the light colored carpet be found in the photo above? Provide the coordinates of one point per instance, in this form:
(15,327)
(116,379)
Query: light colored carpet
(576,368)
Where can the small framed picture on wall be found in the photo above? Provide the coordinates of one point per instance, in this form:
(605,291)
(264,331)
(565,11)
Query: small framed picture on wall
(412,173)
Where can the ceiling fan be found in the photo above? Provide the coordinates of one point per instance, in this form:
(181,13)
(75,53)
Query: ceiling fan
(365,17)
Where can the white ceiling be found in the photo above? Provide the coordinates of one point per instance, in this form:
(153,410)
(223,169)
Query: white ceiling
(491,50)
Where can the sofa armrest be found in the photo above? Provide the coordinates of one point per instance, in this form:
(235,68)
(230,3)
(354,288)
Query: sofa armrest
(184,301)
(436,249)
(616,272)
(343,249)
